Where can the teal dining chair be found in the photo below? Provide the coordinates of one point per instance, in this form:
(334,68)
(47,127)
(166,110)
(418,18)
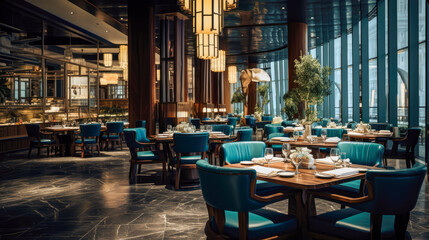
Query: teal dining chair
(196,122)
(185,144)
(113,134)
(226,129)
(277,148)
(244,134)
(140,124)
(236,152)
(381,214)
(267,118)
(408,154)
(88,136)
(232,121)
(142,151)
(272,128)
(236,209)
(39,139)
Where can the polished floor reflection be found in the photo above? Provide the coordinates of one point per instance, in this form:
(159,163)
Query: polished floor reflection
(90,198)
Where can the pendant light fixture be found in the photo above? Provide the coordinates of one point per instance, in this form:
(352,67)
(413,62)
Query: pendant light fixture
(218,64)
(207,46)
(230,4)
(207,16)
(107,59)
(232,74)
(123,56)
(185,6)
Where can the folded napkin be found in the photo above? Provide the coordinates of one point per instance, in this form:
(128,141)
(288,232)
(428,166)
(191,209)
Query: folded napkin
(262,161)
(299,128)
(289,127)
(355,134)
(266,171)
(342,172)
(318,126)
(326,160)
(282,139)
(385,131)
(333,140)
(216,132)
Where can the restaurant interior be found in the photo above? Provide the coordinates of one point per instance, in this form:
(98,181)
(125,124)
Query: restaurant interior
(214,119)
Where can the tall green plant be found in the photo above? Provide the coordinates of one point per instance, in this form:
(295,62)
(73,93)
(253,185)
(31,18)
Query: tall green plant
(239,97)
(291,104)
(263,99)
(313,84)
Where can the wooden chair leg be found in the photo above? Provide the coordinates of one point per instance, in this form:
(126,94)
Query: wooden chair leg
(38,152)
(132,175)
(47,151)
(82,151)
(408,162)
(243,225)
(401,222)
(98,149)
(176,184)
(120,142)
(29,151)
(375,221)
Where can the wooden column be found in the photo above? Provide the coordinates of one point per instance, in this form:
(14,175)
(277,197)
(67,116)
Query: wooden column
(141,61)
(251,94)
(297,46)
(227,92)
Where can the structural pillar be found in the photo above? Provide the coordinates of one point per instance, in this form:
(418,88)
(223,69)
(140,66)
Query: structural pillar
(141,61)
(251,94)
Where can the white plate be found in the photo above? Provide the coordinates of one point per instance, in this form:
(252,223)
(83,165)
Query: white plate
(362,170)
(323,175)
(247,162)
(286,174)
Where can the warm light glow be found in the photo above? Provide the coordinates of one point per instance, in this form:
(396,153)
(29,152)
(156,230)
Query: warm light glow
(207,16)
(125,74)
(182,114)
(218,64)
(107,59)
(123,56)
(185,6)
(207,46)
(215,110)
(109,78)
(232,74)
(230,4)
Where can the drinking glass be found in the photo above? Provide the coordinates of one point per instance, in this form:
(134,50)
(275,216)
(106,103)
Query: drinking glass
(343,157)
(269,154)
(295,135)
(209,128)
(286,151)
(324,133)
(335,156)
(296,161)
(169,128)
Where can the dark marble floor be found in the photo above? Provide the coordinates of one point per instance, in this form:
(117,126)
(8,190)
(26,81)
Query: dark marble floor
(90,198)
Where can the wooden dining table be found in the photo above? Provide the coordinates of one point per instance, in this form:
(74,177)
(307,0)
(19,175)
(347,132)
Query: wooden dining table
(315,146)
(300,205)
(213,121)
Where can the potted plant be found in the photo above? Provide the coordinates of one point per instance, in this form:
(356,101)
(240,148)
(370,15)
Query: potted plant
(239,97)
(263,99)
(291,104)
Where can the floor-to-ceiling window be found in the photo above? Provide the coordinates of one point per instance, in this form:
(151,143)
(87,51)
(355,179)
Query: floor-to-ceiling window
(372,55)
(337,77)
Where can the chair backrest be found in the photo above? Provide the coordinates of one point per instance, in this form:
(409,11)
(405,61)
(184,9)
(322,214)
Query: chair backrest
(332,132)
(395,191)
(196,122)
(412,138)
(351,125)
(90,130)
(206,118)
(191,142)
(325,122)
(244,134)
(252,122)
(33,130)
(288,123)
(381,126)
(135,135)
(140,124)
(226,129)
(114,127)
(236,152)
(267,118)
(261,124)
(336,121)
(272,128)
(230,115)
(363,153)
(272,135)
(234,195)
(232,121)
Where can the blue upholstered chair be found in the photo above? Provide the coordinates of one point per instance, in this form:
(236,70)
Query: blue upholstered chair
(361,153)
(230,115)
(244,134)
(272,128)
(196,122)
(226,129)
(113,134)
(235,208)
(352,125)
(88,136)
(236,152)
(331,132)
(206,118)
(410,142)
(140,124)
(325,122)
(277,148)
(252,122)
(267,118)
(382,126)
(382,214)
(38,139)
(186,143)
(232,121)
(142,151)
(288,123)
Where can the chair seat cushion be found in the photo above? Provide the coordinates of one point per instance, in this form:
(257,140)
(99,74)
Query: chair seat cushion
(325,150)
(277,148)
(350,189)
(264,188)
(110,137)
(44,141)
(350,223)
(188,159)
(146,155)
(86,141)
(262,224)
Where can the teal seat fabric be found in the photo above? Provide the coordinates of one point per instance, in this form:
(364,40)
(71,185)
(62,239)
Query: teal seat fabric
(86,141)
(226,129)
(262,224)
(244,134)
(188,159)
(134,137)
(272,128)
(252,122)
(90,130)
(261,124)
(140,124)
(110,137)
(236,152)
(288,123)
(331,132)
(267,118)
(146,155)
(232,121)
(114,127)
(277,148)
(351,125)
(395,193)
(44,141)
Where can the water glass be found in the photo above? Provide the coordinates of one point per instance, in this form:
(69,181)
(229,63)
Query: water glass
(335,156)
(324,133)
(343,156)
(295,135)
(169,128)
(296,161)
(269,154)
(286,151)
(209,128)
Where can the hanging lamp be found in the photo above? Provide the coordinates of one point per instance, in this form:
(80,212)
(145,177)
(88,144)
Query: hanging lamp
(107,59)
(232,74)
(218,64)
(207,16)
(207,46)
(123,56)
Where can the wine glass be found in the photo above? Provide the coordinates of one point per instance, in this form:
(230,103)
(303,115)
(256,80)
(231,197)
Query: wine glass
(343,157)
(286,151)
(335,156)
(324,133)
(169,127)
(295,135)
(209,128)
(296,161)
(268,155)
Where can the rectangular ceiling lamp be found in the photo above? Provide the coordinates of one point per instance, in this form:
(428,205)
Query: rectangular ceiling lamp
(218,64)
(123,56)
(207,16)
(107,59)
(230,4)
(207,46)
(185,6)
(232,74)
